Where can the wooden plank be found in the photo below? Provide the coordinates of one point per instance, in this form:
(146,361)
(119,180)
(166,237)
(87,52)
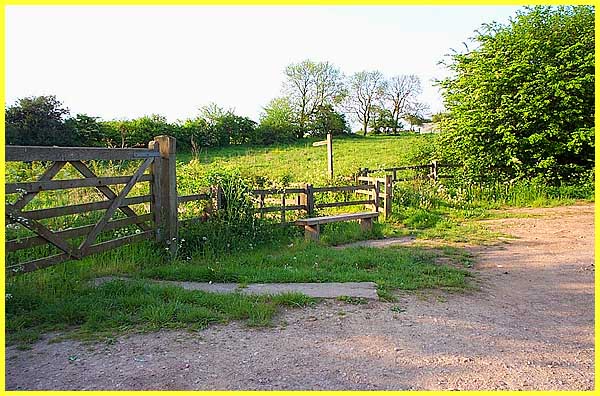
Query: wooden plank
(376,197)
(277,191)
(47,153)
(341,188)
(59,258)
(26,243)
(319,143)
(106,191)
(42,231)
(115,243)
(193,197)
(288,208)
(310,199)
(398,168)
(115,204)
(367,192)
(336,218)
(367,179)
(36,264)
(39,214)
(345,203)
(48,175)
(51,185)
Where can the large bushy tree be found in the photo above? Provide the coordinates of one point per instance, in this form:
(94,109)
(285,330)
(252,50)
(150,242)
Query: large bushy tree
(310,85)
(39,121)
(521,104)
(326,120)
(278,123)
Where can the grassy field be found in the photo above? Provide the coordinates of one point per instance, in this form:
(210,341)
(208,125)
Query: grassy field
(227,250)
(300,162)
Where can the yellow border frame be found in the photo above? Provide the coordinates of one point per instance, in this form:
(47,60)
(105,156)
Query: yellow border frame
(283,2)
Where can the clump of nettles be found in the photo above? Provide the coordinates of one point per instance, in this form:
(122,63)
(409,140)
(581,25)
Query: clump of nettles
(235,226)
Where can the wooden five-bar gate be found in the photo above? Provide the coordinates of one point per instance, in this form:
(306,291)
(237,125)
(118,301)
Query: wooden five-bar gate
(157,168)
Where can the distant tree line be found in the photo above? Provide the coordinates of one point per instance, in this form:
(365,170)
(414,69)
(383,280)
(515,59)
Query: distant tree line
(44,121)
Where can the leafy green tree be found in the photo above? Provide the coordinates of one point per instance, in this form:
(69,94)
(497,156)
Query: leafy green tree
(241,129)
(326,120)
(278,123)
(414,119)
(383,121)
(39,121)
(195,133)
(226,126)
(308,86)
(521,104)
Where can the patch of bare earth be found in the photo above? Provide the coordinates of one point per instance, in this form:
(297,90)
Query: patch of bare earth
(529,325)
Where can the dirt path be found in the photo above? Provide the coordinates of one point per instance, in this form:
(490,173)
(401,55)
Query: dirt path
(530,326)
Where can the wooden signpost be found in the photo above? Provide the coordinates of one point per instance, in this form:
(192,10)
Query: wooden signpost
(329,143)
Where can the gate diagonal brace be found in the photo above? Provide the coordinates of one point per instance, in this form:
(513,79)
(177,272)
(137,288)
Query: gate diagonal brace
(107,192)
(117,202)
(16,216)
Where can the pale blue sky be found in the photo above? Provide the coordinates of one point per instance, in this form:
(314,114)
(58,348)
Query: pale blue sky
(125,62)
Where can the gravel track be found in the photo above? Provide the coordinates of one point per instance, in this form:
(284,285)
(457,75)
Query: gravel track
(528,325)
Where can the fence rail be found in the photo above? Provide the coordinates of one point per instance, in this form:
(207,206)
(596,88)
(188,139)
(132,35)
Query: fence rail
(303,202)
(434,169)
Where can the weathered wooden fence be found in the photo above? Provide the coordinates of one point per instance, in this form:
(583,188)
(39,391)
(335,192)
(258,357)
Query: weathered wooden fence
(160,221)
(431,171)
(301,200)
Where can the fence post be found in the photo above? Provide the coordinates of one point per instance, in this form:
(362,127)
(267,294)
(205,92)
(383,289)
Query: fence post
(220,197)
(167,184)
(434,170)
(283,206)
(261,205)
(155,188)
(387,203)
(376,195)
(307,199)
(330,155)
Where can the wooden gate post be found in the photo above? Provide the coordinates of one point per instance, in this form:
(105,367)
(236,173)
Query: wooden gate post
(166,185)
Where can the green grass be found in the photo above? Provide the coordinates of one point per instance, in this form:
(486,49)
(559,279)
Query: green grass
(138,305)
(404,268)
(301,163)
